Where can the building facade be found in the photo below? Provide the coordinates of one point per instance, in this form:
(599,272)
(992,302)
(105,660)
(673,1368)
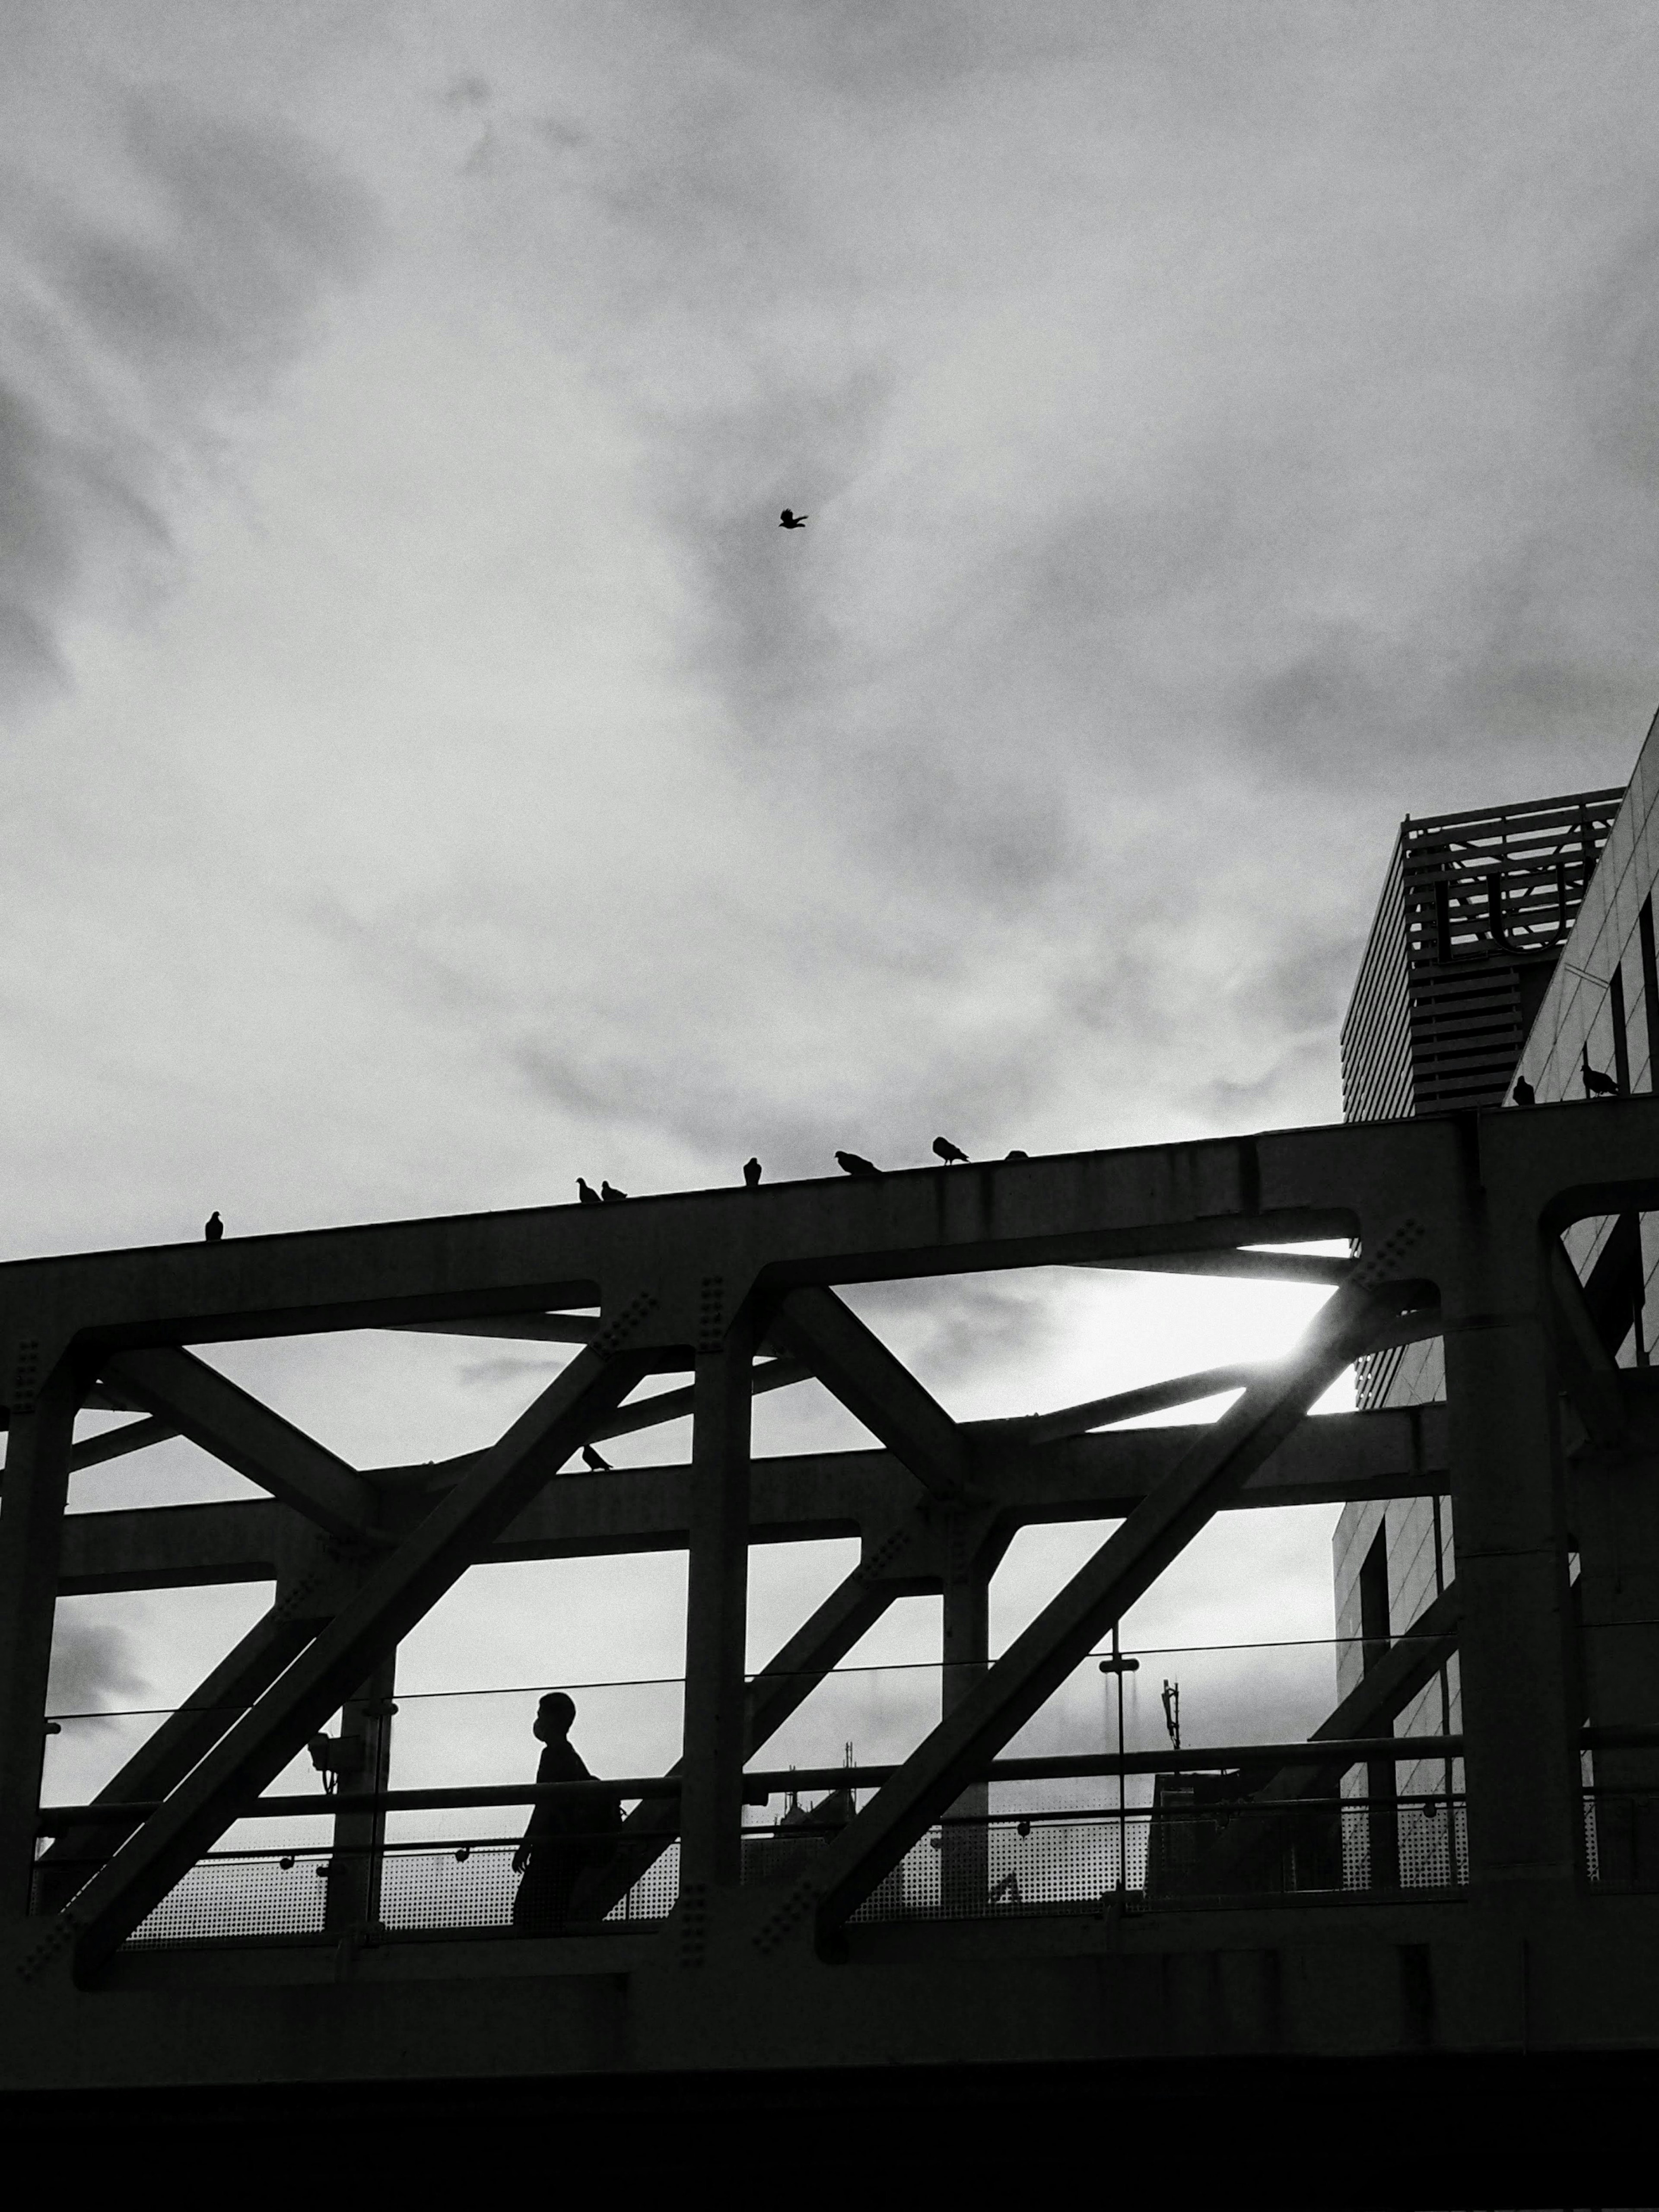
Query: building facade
(1515,943)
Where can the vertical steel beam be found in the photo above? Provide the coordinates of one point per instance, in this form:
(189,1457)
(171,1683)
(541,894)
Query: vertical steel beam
(1519,1730)
(716,1614)
(352,1904)
(38,1450)
(964,1855)
(1615,1524)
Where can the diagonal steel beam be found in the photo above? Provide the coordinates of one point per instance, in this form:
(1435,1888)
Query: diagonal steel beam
(1369,1710)
(1030,1429)
(1216,1466)
(850,1360)
(404,1587)
(1588,1374)
(225,1420)
(186,1737)
(779,1690)
(115,1444)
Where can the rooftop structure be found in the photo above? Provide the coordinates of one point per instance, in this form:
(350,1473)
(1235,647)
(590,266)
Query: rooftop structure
(1473,912)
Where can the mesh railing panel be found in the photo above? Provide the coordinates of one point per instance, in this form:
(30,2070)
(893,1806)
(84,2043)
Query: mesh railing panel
(1036,1862)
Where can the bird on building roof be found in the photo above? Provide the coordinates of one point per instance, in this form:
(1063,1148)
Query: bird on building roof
(610,1194)
(585,1191)
(948,1151)
(1596,1085)
(789,520)
(854,1164)
(751,1172)
(1017,1156)
(213,1228)
(1524,1093)
(593,1463)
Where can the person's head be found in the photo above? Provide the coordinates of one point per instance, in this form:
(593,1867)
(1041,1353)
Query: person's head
(554,1716)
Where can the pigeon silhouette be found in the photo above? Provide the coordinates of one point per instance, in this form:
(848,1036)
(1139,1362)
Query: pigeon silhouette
(593,1463)
(1524,1093)
(213,1228)
(610,1194)
(586,1191)
(1596,1085)
(948,1151)
(789,520)
(1017,1156)
(851,1164)
(751,1172)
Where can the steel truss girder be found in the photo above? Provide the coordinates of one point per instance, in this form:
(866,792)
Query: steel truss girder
(400,1591)
(1454,1203)
(1125,1567)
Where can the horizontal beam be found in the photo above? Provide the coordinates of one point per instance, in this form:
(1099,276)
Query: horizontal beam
(1399,1452)
(1257,1266)
(782,1781)
(1558,1164)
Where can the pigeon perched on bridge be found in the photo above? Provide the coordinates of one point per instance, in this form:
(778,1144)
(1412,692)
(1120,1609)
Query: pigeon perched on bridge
(789,520)
(948,1151)
(751,1173)
(213,1228)
(610,1194)
(585,1191)
(1524,1093)
(1596,1085)
(593,1463)
(851,1164)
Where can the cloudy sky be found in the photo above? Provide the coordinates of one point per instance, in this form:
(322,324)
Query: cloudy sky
(430,774)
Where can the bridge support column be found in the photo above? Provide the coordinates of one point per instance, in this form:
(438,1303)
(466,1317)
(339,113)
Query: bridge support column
(38,1449)
(1615,1523)
(716,1610)
(964,1842)
(353,1904)
(1519,1726)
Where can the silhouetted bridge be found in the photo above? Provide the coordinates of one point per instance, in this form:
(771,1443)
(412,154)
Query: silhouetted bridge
(959,1935)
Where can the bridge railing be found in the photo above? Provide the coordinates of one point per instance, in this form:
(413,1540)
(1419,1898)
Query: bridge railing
(1028,1859)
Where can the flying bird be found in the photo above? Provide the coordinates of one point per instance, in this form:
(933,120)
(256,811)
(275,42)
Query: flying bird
(948,1151)
(1524,1093)
(751,1173)
(790,521)
(593,1463)
(852,1165)
(586,1191)
(213,1228)
(1596,1085)
(610,1194)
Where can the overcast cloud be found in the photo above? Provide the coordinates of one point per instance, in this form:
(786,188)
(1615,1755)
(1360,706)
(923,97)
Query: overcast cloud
(429,772)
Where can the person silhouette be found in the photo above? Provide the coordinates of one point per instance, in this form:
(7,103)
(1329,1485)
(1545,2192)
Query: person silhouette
(564,1834)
